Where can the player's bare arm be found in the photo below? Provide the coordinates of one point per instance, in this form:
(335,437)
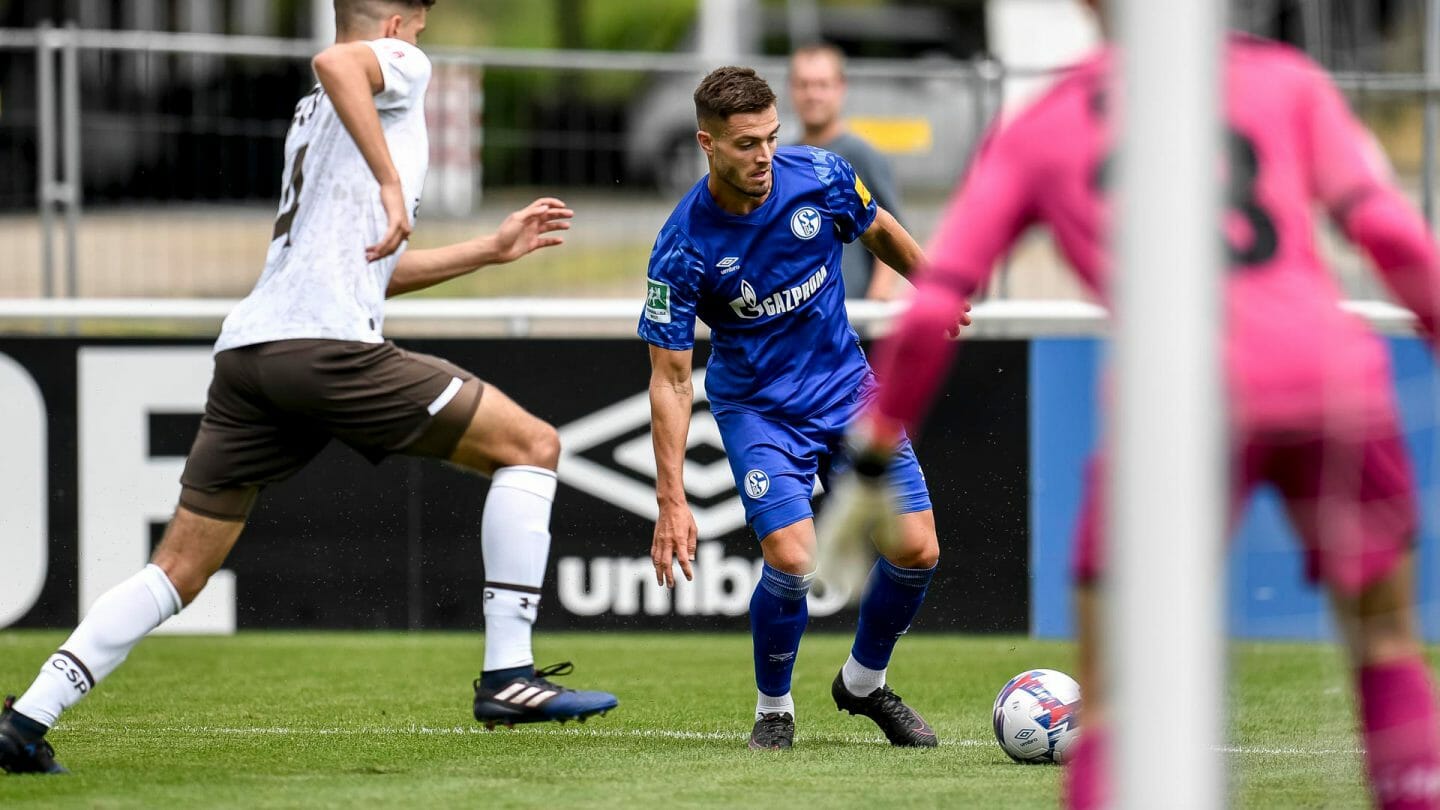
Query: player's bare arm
(532,228)
(671,395)
(894,246)
(885,283)
(888,240)
(350,74)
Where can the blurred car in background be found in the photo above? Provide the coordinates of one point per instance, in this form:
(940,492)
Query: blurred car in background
(913,93)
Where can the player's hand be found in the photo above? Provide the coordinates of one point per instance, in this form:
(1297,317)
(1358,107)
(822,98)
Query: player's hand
(675,537)
(962,320)
(397,223)
(531,228)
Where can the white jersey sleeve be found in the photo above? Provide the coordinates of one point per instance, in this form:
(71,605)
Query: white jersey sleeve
(316,282)
(406,71)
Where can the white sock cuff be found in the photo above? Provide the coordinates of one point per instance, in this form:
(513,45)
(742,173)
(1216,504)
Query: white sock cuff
(162,590)
(534,480)
(765,704)
(860,679)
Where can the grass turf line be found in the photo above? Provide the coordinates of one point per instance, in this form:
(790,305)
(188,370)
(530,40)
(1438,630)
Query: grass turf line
(364,719)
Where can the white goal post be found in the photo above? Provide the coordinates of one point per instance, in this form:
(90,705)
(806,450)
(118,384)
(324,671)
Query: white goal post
(1164,645)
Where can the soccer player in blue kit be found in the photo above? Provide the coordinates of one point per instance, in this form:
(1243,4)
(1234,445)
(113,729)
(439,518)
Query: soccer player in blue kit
(753,250)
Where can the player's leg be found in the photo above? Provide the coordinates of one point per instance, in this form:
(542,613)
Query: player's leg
(1086,786)
(214,504)
(519,452)
(1355,511)
(893,594)
(779,612)
(1397,695)
(444,412)
(1086,783)
(193,548)
(774,466)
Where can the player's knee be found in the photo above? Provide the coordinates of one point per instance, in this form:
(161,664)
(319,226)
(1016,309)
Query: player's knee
(1380,623)
(1384,637)
(793,558)
(920,558)
(920,554)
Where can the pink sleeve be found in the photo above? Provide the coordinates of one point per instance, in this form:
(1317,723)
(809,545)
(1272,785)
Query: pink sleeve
(982,221)
(1350,177)
(991,208)
(1393,234)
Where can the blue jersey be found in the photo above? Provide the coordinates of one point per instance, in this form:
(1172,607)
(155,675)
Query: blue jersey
(769,286)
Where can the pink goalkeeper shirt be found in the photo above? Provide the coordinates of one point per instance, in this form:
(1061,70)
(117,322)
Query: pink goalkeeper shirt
(1293,356)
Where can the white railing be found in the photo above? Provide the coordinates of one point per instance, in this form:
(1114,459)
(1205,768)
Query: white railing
(518,317)
(69,250)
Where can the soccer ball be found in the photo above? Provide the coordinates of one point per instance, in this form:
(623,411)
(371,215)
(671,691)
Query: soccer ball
(1036,716)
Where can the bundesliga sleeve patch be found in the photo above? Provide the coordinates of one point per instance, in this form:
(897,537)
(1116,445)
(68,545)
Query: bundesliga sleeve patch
(657,301)
(862,191)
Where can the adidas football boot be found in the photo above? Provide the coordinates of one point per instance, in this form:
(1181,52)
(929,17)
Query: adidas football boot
(535,699)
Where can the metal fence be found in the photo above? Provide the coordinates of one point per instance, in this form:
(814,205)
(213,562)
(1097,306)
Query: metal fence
(145,164)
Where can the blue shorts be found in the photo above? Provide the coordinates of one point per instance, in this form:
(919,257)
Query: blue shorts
(776,464)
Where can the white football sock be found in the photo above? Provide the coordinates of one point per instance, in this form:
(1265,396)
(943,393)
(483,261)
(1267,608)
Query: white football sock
(116,622)
(515,542)
(764,704)
(861,680)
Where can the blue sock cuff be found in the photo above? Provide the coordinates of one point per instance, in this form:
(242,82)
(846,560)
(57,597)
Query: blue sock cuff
(782,585)
(909,577)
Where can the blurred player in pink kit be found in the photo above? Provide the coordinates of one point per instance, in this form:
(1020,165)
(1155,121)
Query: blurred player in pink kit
(1313,410)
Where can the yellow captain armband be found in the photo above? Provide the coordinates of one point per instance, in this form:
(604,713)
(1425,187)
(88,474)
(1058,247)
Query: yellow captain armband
(862,191)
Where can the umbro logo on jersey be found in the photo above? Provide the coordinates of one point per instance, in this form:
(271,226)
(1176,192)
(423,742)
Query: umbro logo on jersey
(727,265)
(781,657)
(521,693)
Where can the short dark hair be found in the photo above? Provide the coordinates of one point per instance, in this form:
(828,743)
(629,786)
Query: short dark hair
(353,13)
(730,90)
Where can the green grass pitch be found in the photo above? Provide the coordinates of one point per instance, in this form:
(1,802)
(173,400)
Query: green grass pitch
(383,719)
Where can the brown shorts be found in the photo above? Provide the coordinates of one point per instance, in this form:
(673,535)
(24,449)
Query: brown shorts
(273,406)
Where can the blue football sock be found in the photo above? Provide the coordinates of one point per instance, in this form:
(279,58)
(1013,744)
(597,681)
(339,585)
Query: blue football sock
(496,678)
(778,615)
(892,598)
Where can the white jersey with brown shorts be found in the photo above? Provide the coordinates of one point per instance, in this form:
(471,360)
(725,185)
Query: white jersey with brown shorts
(301,359)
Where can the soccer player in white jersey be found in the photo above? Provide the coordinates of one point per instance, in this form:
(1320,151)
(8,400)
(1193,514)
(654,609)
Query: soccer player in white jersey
(301,361)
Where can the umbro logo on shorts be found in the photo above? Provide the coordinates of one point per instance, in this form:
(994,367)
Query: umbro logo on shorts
(524,694)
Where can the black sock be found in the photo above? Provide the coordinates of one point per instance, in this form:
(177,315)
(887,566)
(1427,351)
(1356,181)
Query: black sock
(496,678)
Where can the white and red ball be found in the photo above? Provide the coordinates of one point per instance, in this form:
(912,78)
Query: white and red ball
(1037,716)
